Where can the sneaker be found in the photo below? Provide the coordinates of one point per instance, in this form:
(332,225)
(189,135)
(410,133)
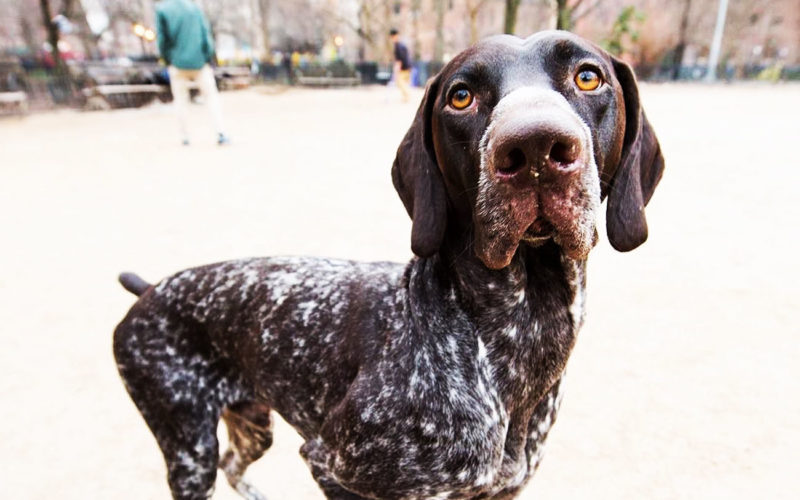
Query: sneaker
(223,139)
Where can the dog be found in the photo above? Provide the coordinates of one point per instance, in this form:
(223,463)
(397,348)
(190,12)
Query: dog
(435,379)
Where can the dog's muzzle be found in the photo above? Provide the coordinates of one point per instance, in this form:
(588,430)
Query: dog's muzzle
(538,178)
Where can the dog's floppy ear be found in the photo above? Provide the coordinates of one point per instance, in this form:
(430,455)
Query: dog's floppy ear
(639,170)
(418,181)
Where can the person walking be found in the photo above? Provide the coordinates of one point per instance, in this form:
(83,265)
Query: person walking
(186,45)
(402,64)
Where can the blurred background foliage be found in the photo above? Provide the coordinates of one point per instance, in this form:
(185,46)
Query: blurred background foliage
(55,48)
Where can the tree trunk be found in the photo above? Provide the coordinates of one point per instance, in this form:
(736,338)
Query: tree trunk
(365,32)
(264,7)
(28,35)
(388,46)
(563,15)
(473,9)
(438,47)
(416,8)
(473,25)
(60,71)
(73,10)
(512,6)
(680,48)
(52,32)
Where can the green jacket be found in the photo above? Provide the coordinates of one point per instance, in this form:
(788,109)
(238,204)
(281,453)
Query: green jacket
(184,39)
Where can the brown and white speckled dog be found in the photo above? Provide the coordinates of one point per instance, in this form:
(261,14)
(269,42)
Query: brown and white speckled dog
(435,379)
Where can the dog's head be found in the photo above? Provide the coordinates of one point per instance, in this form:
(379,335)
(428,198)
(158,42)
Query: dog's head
(518,140)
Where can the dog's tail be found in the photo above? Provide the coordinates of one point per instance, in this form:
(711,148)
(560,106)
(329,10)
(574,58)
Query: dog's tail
(133,283)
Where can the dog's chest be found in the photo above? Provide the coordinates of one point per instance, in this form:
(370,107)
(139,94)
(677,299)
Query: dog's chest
(447,417)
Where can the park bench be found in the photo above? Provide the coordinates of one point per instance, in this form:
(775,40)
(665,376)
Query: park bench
(232,77)
(112,87)
(334,74)
(111,84)
(13,87)
(103,97)
(17,101)
(329,81)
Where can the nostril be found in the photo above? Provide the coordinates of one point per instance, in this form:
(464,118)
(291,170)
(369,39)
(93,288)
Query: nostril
(564,153)
(513,162)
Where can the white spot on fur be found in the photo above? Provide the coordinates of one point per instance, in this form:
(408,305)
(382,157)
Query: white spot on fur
(481,350)
(485,477)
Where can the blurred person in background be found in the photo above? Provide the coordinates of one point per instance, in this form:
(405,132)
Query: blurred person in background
(401,72)
(185,44)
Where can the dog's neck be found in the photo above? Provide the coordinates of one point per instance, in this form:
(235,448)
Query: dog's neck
(534,276)
(526,314)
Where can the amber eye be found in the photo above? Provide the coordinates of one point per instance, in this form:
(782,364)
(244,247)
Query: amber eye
(588,80)
(461,98)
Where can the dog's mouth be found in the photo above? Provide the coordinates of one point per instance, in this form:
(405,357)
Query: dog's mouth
(539,232)
(572,230)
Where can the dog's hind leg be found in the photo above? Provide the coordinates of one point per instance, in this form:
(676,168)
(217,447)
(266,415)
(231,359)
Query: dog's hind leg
(250,435)
(180,386)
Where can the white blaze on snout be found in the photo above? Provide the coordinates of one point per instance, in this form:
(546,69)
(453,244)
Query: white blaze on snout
(527,104)
(502,213)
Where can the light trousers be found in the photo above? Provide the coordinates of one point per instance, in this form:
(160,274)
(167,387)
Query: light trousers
(180,81)
(404,82)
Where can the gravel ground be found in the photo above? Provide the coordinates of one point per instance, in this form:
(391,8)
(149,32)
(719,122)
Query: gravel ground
(684,381)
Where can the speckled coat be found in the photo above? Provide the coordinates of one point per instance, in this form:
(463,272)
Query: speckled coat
(435,379)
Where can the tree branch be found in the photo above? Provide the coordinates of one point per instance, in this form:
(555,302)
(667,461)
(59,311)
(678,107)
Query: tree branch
(578,16)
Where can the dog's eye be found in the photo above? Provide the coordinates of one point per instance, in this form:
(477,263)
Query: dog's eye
(461,98)
(587,80)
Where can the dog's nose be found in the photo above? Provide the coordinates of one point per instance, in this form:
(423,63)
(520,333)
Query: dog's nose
(543,151)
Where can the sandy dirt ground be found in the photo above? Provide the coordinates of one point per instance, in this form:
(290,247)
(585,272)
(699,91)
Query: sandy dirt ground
(684,382)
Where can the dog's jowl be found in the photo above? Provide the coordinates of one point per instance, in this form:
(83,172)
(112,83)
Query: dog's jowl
(439,378)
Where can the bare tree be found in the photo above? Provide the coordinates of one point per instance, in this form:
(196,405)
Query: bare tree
(74,11)
(122,10)
(510,22)
(60,70)
(371,22)
(388,48)
(473,8)
(28,34)
(6,11)
(416,10)
(438,46)
(569,12)
(121,13)
(241,20)
(52,35)
(264,10)
(754,19)
(21,18)
(680,47)
(365,27)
